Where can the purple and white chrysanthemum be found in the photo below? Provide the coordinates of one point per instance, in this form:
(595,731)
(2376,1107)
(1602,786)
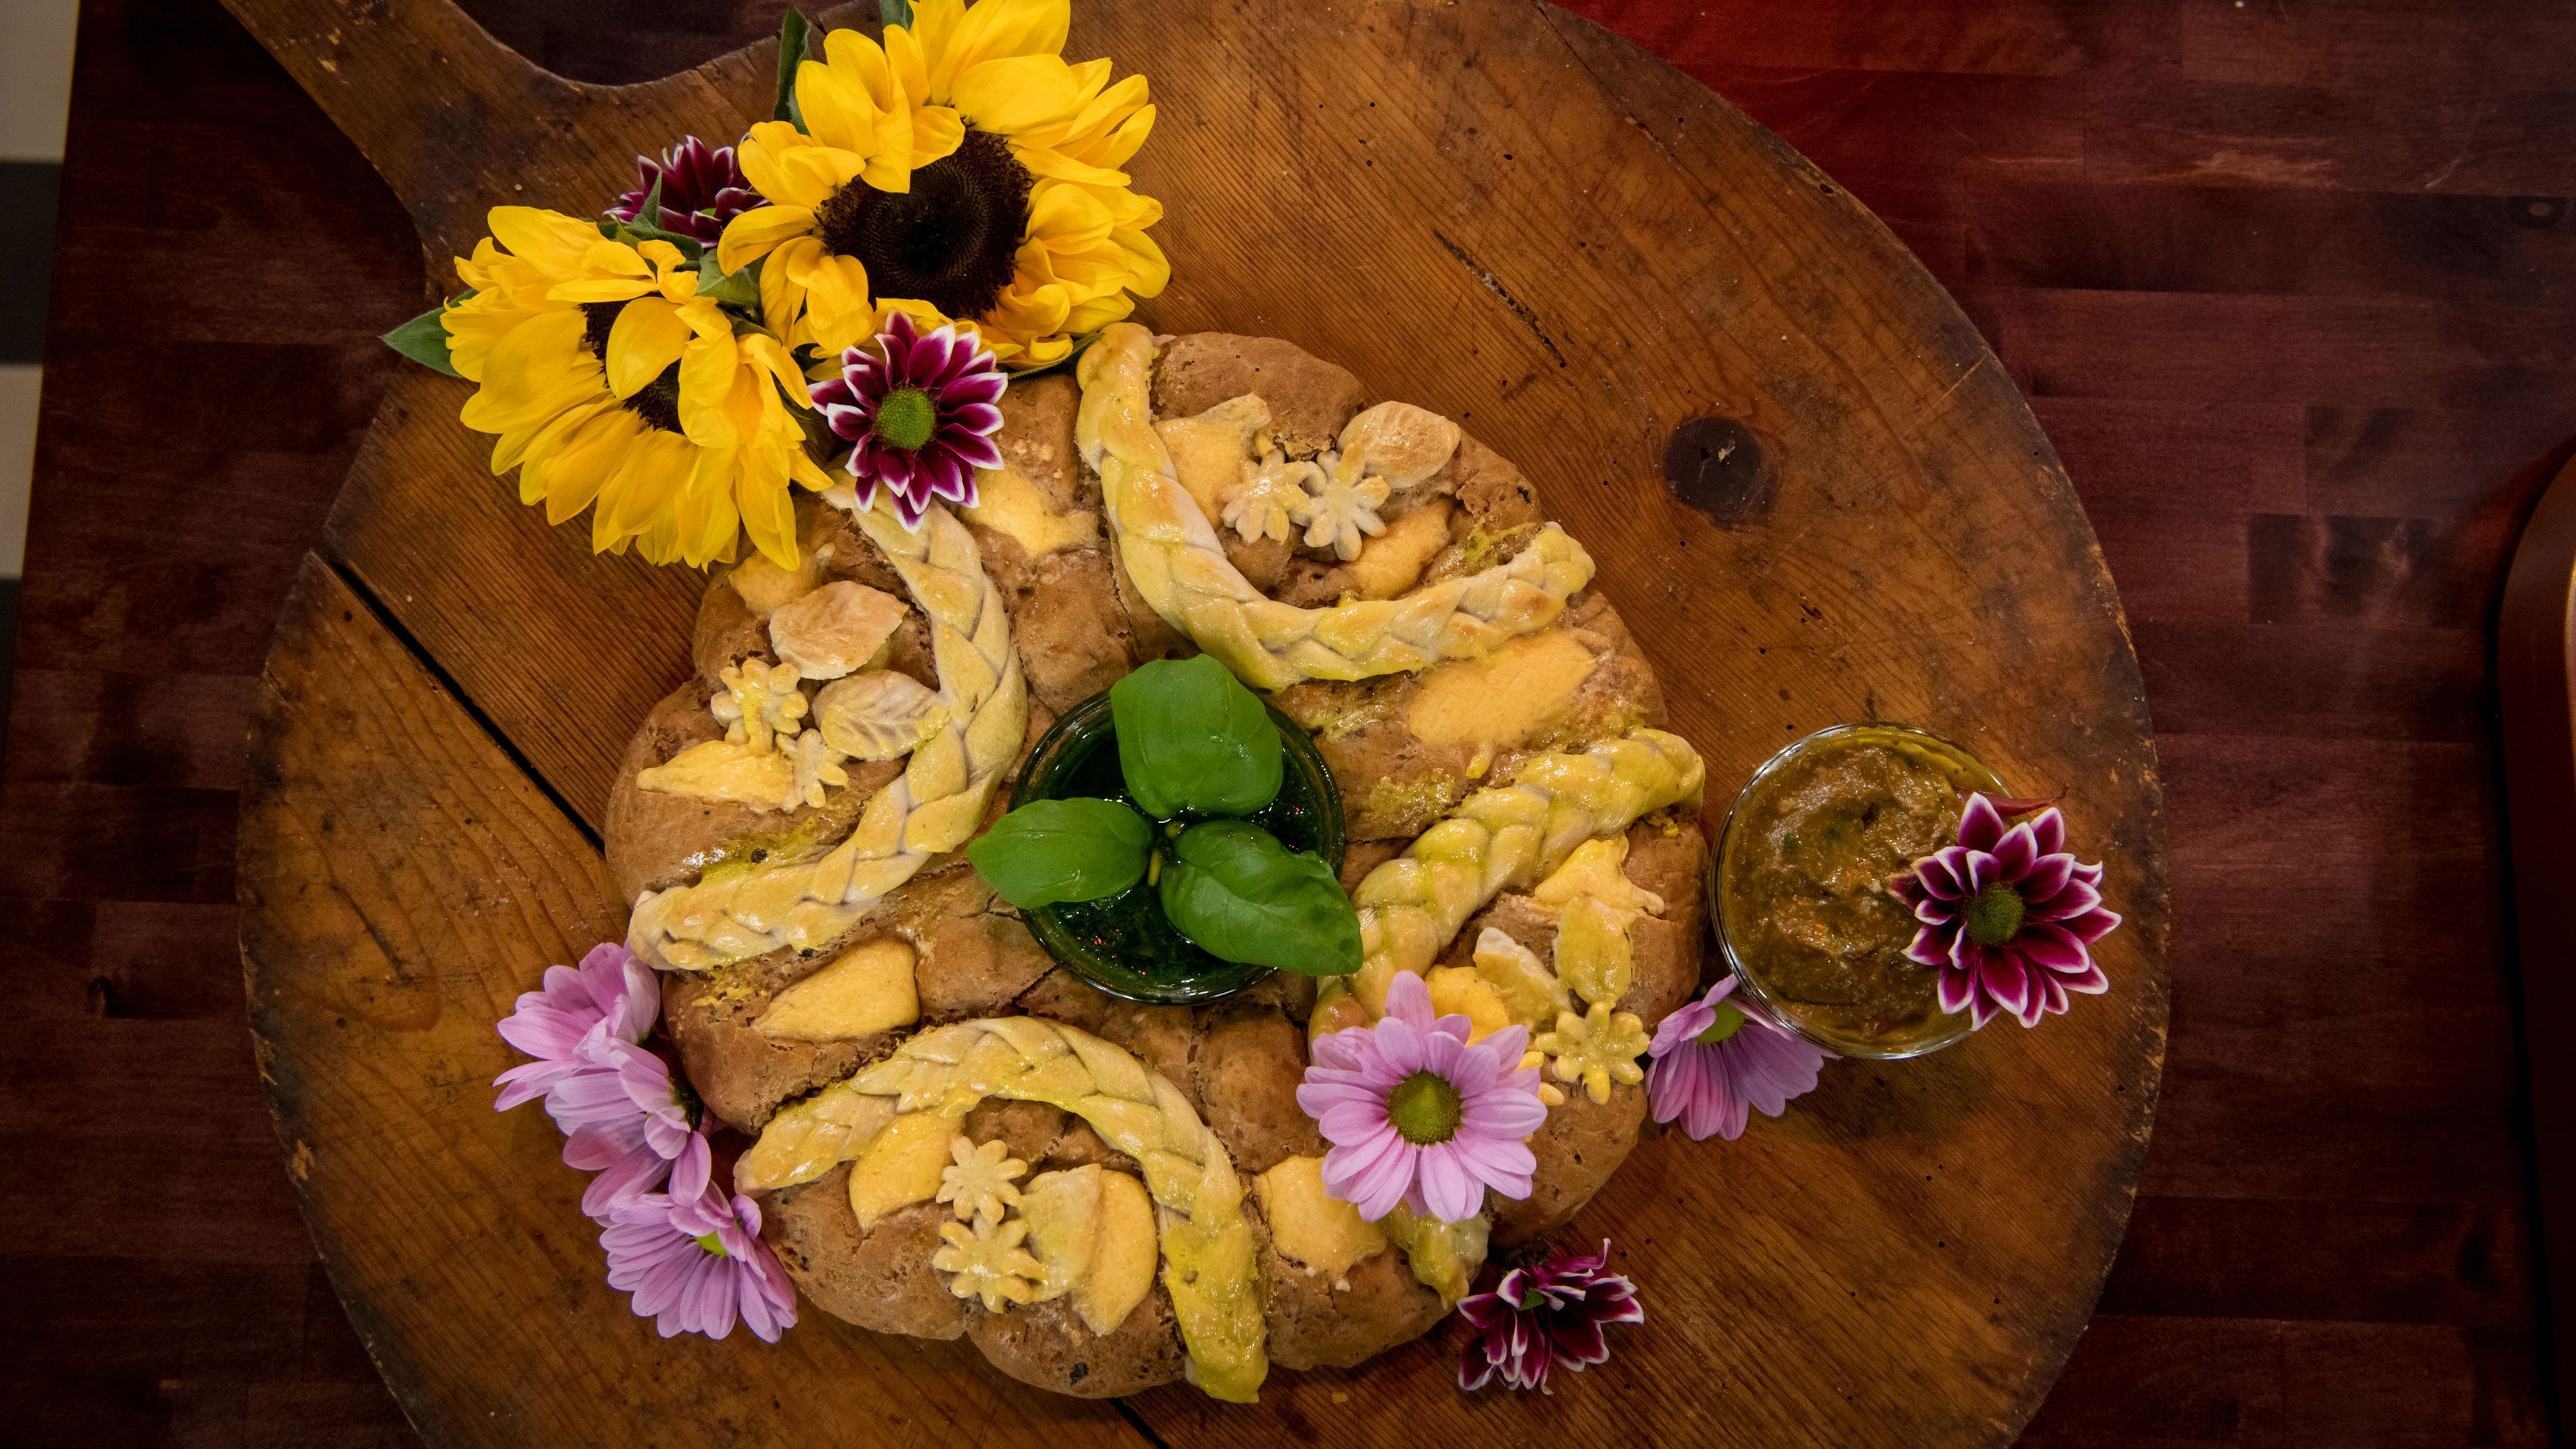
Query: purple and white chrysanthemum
(1713,1063)
(1417,1114)
(2008,916)
(611,996)
(695,1261)
(702,189)
(920,413)
(1538,1317)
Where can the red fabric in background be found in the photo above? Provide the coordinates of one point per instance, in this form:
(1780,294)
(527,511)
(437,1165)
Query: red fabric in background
(2286,285)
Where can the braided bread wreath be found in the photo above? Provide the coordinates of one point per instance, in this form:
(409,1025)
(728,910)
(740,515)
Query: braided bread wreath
(1146,1198)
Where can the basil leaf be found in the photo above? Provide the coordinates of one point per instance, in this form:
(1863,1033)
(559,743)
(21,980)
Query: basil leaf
(1049,851)
(1192,739)
(424,341)
(793,31)
(1242,896)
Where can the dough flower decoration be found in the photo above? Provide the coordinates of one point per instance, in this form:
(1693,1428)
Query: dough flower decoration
(611,994)
(695,1261)
(614,385)
(1713,1064)
(981,1181)
(693,190)
(989,1261)
(919,411)
(2007,915)
(1419,1115)
(1538,1317)
(960,171)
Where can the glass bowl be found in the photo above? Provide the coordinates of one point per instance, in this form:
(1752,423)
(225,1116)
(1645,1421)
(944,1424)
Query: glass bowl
(1123,944)
(1832,1014)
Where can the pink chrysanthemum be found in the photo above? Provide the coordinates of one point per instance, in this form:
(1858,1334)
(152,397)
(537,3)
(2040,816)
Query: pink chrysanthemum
(1537,1317)
(2008,916)
(626,1118)
(1713,1063)
(611,996)
(702,189)
(1419,1115)
(693,1262)
(920,413)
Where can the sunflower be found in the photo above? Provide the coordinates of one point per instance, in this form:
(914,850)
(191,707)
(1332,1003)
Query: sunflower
(961,171)
(610,381)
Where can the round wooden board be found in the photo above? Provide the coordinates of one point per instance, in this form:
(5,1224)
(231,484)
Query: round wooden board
(1491,208)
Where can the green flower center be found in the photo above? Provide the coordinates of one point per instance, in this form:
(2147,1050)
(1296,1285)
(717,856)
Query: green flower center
(1424,1108)
(907,418)
(711,1245)
(1994,917)
(953,240)
(1729,1022)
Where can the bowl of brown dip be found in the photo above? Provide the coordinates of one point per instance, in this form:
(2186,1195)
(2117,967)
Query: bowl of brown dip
(1799,892)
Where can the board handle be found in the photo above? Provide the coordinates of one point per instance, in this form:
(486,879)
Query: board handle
(457,123)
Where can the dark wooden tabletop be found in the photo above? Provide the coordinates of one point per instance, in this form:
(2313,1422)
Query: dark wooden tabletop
(2288,289)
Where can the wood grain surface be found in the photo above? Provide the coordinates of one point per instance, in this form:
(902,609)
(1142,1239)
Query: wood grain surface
(2303,475)
(1900,545)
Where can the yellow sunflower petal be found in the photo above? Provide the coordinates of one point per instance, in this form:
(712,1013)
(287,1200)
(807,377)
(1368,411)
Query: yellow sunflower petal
(1066,218)
(550,240)
(1052,165)
(782,292)
(645,339)
(707,371)
(937,132)
(569,478)
(998,30)
(1148,270)
(757,232)
(1016,93)
(837,309)
(540,442)
(836,105)
(768,511)
(648,482)
(775,159)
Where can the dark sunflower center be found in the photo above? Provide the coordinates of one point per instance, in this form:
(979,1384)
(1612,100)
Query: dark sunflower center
(1424,1108)
(1994,916)
(907,418)
(949,240)
(656,402)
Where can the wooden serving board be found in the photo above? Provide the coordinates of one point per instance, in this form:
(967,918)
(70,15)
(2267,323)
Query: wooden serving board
(1812,492)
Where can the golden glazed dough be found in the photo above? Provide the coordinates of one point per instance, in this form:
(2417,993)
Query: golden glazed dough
(861,1087)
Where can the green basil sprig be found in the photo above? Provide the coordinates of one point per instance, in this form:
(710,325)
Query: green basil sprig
(1242,896)
(1197,751)
(1193,741)
(1051,851)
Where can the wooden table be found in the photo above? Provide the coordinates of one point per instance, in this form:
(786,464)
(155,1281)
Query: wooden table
(2335,1244)
(1812,492)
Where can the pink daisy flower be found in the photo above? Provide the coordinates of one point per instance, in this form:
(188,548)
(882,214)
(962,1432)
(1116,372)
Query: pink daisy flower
(612,995)
(1711,1064)
(1419,1115)
(693,1262)
(920,413)
(2008,916)
(629,1120)
(1538,1316)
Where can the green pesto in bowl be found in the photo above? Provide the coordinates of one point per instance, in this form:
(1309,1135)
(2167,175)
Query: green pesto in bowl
(1123,943)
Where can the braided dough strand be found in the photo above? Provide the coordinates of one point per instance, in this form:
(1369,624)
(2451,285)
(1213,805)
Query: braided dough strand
(933,806)
(1210,1267)
(1179,566)
(1499,838)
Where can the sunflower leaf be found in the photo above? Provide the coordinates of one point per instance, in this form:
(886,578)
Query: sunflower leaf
(424,341)
(690,248)
(895,12)
(794,32)
(649,215)
(742,289)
